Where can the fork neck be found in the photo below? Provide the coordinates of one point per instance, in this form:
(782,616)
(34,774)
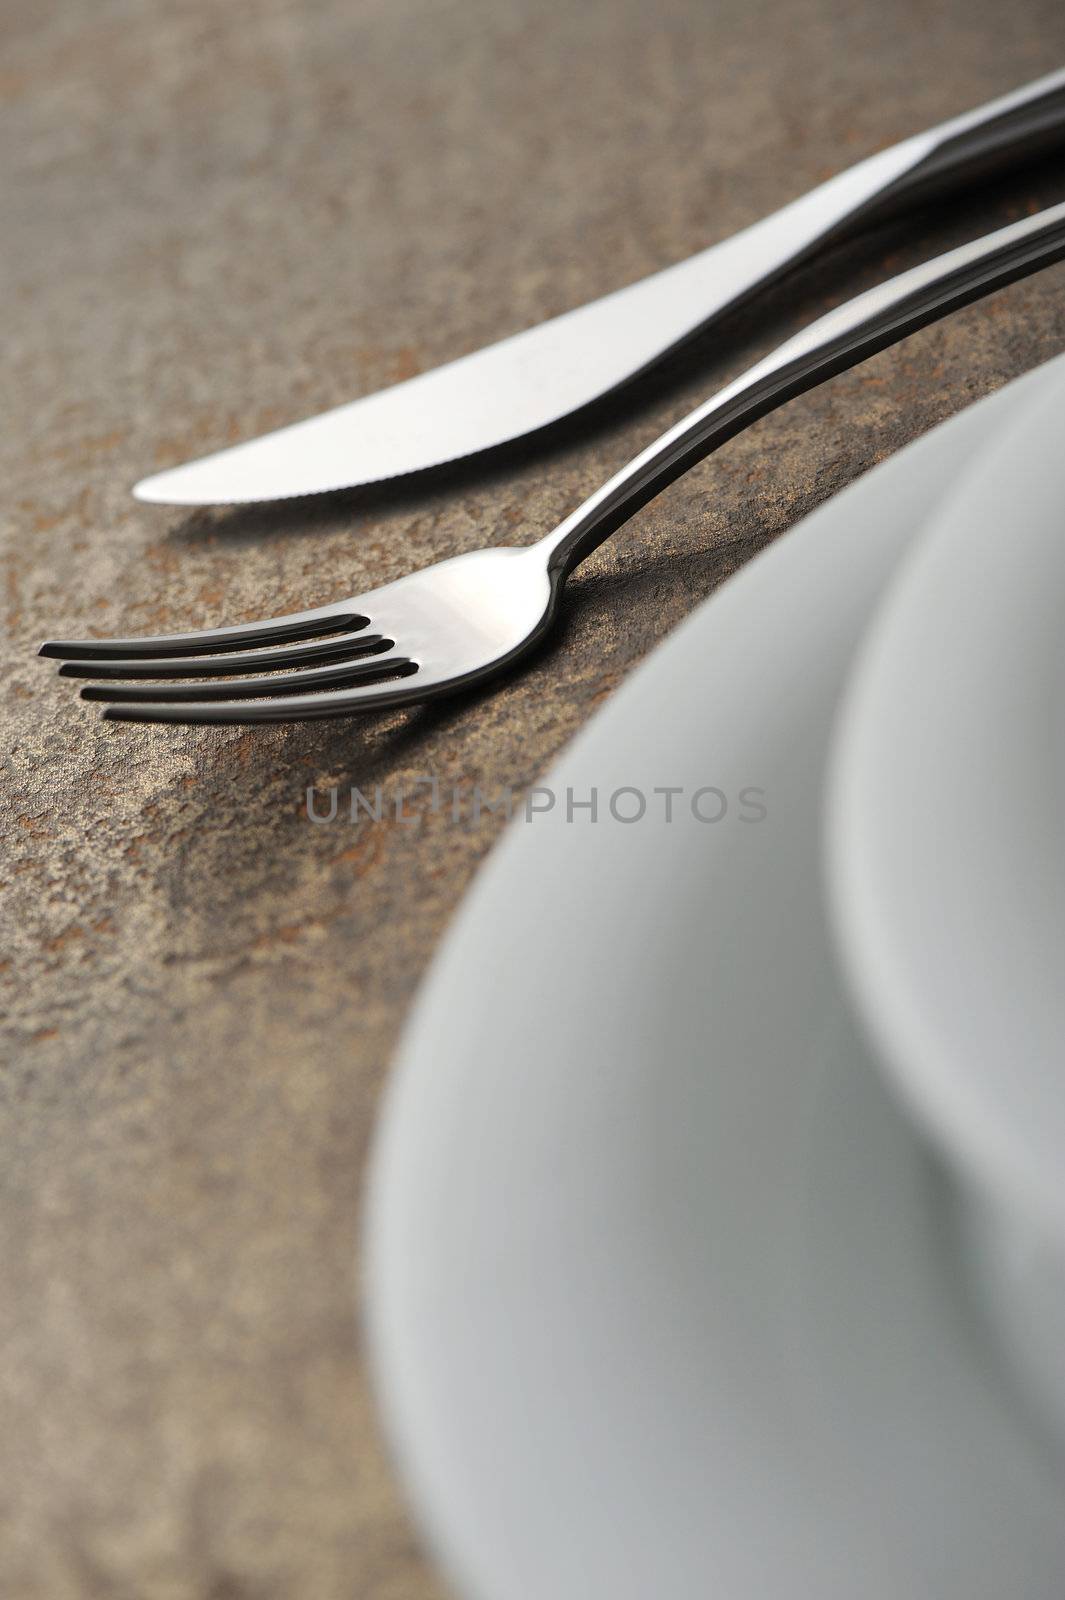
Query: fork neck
(665,460)
(871,322)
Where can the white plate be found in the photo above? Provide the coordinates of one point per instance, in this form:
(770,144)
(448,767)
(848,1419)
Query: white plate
(947,845)
(662,1301)
(947,865)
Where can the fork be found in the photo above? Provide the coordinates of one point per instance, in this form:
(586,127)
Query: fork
(462,621)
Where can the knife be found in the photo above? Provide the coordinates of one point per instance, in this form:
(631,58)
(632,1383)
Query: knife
(548,371)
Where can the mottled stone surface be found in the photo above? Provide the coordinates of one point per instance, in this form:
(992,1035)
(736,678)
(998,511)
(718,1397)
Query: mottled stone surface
(215,219)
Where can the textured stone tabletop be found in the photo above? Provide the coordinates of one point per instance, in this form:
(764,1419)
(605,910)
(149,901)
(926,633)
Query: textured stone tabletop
(216,219)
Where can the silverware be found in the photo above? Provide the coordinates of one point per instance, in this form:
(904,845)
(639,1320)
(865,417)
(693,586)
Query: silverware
(547,372)
(464,620)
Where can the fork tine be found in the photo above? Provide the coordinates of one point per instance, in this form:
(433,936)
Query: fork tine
(272,630)
(339,647)
(287,708)
(337,675)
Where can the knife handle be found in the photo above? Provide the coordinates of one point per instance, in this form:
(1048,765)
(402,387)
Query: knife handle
(659,313)
(1001,134)
(872,321)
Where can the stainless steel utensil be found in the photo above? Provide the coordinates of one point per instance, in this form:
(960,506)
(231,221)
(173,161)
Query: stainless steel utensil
(546,372)
(465,620)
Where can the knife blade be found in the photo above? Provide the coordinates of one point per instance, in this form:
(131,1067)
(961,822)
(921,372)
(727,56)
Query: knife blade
(506,390)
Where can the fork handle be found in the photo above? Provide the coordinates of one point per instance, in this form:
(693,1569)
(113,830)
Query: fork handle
(834,343)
